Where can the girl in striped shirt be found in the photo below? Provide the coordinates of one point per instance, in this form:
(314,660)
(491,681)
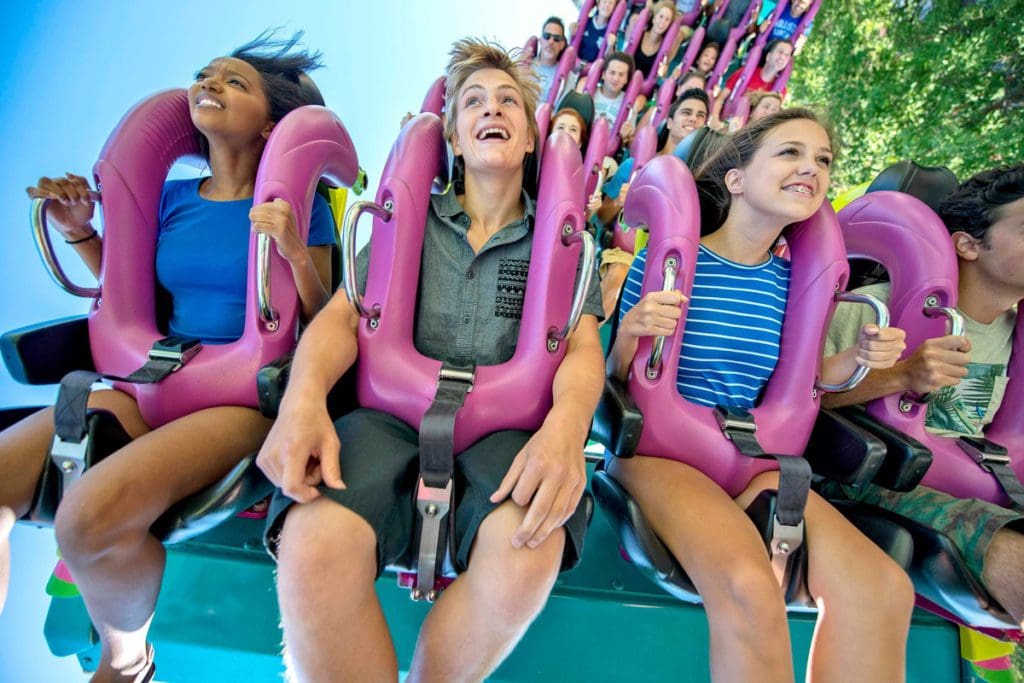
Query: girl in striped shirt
(773,173)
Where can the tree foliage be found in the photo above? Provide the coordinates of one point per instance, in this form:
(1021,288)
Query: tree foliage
(937,81)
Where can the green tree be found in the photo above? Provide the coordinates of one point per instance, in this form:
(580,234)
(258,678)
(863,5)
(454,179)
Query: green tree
(937,81)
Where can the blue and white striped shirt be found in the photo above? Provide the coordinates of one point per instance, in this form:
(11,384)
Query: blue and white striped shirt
(731,343)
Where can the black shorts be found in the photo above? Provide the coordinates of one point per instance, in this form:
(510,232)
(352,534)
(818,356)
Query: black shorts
(380,467)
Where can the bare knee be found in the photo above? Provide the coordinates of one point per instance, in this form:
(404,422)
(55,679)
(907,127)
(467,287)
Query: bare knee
(514,582)
(323,543)
(875,582)
(89,521)
(746,596)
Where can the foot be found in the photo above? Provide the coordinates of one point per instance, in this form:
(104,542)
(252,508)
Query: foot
(141,672)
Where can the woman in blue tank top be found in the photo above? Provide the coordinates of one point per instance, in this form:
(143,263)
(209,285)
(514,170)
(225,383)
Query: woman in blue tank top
(769,175)
(103,521)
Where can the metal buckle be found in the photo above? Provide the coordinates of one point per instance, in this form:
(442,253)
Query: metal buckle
(69,457)
(450,373)
(732,419)
(433,504)
(784,542)
(984,452)
(178,353)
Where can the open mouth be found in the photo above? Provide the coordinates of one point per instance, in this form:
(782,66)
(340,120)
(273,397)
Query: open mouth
(493,133)
(207,102)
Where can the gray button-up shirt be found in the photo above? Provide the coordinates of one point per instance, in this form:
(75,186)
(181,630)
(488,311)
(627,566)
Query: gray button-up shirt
(470,304)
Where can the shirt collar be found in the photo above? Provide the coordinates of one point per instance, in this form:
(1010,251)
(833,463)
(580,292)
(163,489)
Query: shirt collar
(447,206)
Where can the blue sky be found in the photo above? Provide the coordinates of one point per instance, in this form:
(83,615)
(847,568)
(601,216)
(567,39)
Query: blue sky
(73,68)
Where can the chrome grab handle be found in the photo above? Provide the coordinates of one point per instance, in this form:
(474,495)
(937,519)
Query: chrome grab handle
(579,297)
(954,317)
(44,246)
(881,319)
(671,269)
(348,249)
(267,313)
(955,327)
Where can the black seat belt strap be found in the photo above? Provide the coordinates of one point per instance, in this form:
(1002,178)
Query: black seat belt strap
(437,464)
(794,486)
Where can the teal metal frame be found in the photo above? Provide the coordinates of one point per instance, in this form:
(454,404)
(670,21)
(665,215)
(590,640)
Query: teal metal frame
(217,619)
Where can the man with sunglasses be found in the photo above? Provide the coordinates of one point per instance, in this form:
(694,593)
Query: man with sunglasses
(549,50)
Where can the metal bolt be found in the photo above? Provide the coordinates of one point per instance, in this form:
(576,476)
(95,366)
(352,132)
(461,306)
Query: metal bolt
(784,548)
(68,466)
(431,509)
(652,374)
(671,262)
(566,229)
(416,594)
(617,585)
(905,406)
(552,345)
(374,323)
(272,326)
(931,301)
(431,596)
(389,205)
(814,393)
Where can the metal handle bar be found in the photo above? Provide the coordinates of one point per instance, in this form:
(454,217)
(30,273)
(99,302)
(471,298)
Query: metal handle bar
(955,327)
(580,295)
(881,319)
(348,249)
(267,313)
(671,269)
(44,246)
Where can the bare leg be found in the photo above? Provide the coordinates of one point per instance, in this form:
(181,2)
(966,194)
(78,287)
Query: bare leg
(333,625)
(864,598)
(1004,569)
(103,522)
(725,558)
(6,523)
(482,616)
(24,446)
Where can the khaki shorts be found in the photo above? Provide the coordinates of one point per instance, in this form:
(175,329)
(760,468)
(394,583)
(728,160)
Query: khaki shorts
(614,255)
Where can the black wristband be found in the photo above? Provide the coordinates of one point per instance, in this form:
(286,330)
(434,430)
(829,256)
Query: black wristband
(83,239)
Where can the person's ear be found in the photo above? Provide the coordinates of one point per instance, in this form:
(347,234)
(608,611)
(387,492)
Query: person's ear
(967,246)
(265,133)
(734,181)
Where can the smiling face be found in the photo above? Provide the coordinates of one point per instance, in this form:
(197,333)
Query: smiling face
(568,124)
(690,115)
(788,176)
(662,20)
(766,107)
(227,102)
(798,8)
(615,76)
(707,58)
(492,133)
(779,56)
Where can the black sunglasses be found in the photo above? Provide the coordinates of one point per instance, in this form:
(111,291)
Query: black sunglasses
(552,36)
